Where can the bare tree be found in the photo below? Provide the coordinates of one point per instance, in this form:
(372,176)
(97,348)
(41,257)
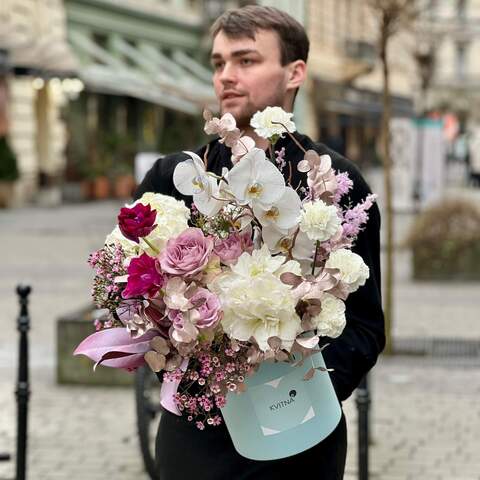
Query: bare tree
(393,16)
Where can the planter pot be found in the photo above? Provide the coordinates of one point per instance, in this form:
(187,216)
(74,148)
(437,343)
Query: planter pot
(100,188)
(78,370)
(124,186)
(281,414)
(6,194)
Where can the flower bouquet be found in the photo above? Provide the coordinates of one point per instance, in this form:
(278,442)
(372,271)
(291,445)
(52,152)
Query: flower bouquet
(232,300)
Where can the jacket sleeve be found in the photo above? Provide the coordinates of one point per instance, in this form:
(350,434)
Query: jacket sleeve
(355,351)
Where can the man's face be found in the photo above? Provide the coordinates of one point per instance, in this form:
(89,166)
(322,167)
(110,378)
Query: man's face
(248,75)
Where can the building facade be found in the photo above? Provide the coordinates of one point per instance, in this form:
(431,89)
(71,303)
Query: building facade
(36,58)
(346,78)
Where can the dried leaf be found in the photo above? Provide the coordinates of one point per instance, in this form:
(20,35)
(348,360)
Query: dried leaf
(156,361)
(160,345)
(173,363)
(281,356)
(303,166)
(309,374)
(274,342)
(241,388)
(311,156)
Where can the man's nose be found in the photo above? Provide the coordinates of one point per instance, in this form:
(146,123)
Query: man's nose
(228,74)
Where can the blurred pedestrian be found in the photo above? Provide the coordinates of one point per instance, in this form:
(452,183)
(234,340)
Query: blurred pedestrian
(259,57)
(474,157)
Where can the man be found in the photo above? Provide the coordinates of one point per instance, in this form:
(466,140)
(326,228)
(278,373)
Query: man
(259,58)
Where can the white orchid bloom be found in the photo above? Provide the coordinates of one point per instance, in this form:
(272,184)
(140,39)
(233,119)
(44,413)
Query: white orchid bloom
(284,213)
(256,181)
(191,178)
(280,241)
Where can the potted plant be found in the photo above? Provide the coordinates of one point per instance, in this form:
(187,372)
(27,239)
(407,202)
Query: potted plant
(445,242)
(8,172)
(123,180)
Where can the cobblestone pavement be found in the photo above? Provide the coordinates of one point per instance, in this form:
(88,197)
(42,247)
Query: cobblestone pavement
(426,414)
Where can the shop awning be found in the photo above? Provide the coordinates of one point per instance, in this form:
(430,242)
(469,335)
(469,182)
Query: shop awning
(143,71)
(34,35)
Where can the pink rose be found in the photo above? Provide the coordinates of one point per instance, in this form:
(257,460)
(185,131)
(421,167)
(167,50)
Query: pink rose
(207,308)
(233,246)
(187,254)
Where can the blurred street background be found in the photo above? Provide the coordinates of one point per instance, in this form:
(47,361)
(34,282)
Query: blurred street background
(92,91)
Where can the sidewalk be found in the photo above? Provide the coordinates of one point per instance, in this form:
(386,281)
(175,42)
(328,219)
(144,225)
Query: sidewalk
(426,414)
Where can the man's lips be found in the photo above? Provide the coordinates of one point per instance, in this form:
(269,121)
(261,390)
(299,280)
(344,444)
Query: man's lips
(229,96)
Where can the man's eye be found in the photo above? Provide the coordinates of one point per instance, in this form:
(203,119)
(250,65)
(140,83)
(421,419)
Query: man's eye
(246,61)
(218,65)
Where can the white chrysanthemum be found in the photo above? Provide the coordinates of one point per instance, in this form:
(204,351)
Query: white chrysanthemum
(353,270)
(172,219)
(255,302)
(116,236)
(262,122)
(319,221)
(331,321)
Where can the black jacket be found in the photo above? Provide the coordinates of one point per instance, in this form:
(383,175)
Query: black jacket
(210,454)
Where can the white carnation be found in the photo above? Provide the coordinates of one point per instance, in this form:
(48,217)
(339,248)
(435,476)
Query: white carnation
(331,321)
(353,270)
(256,302)
(262,122)
(319,221)
(172,219)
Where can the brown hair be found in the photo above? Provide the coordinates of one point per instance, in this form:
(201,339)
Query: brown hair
(246,21)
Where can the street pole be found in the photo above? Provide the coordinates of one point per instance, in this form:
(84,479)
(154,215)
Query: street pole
(363,404)
(23,388)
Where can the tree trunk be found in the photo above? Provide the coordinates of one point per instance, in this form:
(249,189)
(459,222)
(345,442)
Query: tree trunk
(387,164)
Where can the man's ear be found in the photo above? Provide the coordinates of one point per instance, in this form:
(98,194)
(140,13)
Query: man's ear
(297,73)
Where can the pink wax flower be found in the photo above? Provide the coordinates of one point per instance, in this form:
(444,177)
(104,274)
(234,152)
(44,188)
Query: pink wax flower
(137,222)
(144,277)
(207,306)
(187,254)
(229,249)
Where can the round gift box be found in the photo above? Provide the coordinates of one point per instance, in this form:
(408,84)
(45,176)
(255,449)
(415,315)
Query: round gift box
(281,414)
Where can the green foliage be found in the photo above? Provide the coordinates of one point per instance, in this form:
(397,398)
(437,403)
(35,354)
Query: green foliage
(8,162)
(445,240)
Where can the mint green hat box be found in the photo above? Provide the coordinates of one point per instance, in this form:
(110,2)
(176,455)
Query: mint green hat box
(281,414)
